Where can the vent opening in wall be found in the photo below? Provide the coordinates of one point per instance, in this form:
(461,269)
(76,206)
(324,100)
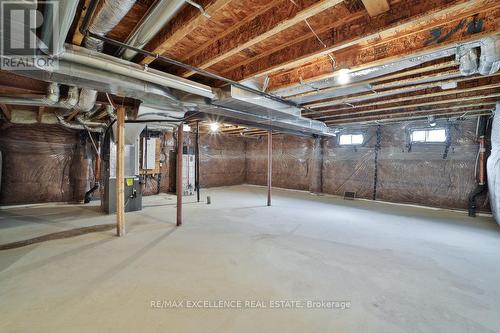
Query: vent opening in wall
(349,195)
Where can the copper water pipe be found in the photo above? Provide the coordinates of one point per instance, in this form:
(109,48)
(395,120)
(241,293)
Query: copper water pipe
(482,159)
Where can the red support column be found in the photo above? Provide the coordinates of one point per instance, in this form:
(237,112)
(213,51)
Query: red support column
(269,164)
(178,187)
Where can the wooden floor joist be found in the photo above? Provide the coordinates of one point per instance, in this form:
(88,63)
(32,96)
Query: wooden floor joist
(483,108)
(376,44)
(356,111)
(182,25)
(270,23)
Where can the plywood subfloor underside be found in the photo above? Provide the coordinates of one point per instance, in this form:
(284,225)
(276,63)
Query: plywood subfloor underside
(404,269)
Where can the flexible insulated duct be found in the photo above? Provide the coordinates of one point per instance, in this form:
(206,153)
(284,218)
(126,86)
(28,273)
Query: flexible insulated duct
(489,62)
(468,60)
(109,15)
(493,166)
(154,20)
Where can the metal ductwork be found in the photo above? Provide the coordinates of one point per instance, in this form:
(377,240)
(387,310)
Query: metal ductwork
(52,99)
(466,55)
(489,62)
(65,15)
(87,100)
(113,65)
(109,15)
(78,127)
(154,20)
(468,61)
(235,103)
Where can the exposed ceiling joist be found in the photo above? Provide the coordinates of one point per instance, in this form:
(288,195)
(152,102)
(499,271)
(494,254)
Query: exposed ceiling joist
(410,98)
(454,113)
(410,29)
(456,102)
(268,24)
(183,24)
(6,110)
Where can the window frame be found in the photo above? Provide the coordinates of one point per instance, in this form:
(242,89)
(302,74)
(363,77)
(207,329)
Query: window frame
(427,130)
(351,144)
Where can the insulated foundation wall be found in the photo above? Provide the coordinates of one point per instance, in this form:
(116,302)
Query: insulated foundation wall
(437,175)
(292,161)
(222,160)
(43,163)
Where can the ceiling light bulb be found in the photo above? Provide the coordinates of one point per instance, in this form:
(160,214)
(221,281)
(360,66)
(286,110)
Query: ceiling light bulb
(344,76)
(214,127)
(432,121)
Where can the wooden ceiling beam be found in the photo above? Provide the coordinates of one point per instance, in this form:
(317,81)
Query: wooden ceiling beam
(459,109)
(423,105)
(407,92)
(6,110)
(408,98)
(181,25)
(439,66)
(266,25)
(411,21)
(473,27)
(460,112)
(39,115)
(376,7)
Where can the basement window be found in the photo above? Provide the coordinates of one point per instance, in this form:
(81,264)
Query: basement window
(431,135)
(351,139)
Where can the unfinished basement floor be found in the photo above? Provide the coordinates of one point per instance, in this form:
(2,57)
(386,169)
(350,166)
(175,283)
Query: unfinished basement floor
(403,269)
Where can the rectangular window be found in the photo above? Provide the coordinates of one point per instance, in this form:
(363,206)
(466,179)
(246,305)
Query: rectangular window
(431,135)
(351,139)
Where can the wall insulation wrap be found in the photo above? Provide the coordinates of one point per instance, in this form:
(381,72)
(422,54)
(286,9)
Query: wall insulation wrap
(222,160)
(291,161)
(428,174)
(433,174)
(350,168)
(43,163)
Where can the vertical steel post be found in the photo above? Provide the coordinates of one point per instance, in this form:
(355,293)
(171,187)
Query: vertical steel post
(178,187)
(197,158)
(269,164)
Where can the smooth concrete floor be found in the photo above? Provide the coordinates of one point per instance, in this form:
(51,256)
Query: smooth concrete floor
(403,269)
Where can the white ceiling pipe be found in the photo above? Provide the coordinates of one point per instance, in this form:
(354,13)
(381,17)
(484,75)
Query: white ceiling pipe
(116,66)
(154,20)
